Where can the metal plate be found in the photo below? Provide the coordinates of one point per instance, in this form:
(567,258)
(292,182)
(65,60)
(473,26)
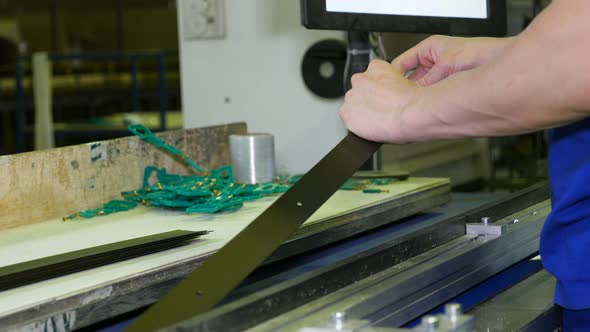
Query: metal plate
(211,282)
(29,272)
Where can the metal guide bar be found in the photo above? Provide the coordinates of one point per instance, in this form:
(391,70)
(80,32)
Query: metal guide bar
(511,203)
(390,212)
(489,227)
(211,282)
(29,272)
(399,294)
(464,266)
(534,298)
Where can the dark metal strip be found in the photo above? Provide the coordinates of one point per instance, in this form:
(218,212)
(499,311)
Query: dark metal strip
(25,273)
(211,282)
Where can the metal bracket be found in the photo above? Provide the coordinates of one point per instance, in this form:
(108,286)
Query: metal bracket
(479,229)
(484,228)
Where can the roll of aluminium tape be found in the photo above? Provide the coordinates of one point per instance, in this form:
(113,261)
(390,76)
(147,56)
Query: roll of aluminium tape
(253,158)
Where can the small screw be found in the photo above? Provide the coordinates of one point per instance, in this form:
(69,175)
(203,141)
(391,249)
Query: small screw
(486,220)
(430,323)
(516,220)
(299,204)
(453,311)
(338,319)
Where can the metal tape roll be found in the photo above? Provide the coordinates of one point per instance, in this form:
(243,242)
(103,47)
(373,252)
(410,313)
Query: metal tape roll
(253,158)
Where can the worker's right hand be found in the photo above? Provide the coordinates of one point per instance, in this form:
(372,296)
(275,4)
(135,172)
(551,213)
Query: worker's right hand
(438,57)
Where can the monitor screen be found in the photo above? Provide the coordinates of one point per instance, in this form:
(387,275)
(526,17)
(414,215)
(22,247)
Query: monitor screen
(432,8)
(461,17)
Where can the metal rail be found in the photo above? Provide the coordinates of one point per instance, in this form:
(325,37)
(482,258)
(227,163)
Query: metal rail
(280,298)
(403,292)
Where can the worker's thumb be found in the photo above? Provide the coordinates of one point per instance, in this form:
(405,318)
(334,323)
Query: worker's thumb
(437,73)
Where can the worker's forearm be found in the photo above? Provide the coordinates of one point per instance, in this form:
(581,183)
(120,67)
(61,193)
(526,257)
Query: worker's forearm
(541,80)
(491,48)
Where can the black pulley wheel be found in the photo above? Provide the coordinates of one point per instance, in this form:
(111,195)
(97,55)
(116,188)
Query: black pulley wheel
(322,68)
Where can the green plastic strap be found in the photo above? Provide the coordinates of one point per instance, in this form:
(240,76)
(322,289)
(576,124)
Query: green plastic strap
(147,135)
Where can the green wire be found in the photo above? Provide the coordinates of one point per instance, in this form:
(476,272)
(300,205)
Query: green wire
(147,135)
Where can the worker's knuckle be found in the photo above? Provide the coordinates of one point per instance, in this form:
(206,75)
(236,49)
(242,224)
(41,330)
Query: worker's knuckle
(377,65)
(349,96)
(358,79)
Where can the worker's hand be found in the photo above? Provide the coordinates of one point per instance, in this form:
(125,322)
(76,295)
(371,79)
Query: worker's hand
(438,57)
(373,107)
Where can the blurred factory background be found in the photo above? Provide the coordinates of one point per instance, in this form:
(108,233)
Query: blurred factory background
(108,58)
(79,71)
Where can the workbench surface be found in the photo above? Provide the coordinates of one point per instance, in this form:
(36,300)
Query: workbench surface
(56,237)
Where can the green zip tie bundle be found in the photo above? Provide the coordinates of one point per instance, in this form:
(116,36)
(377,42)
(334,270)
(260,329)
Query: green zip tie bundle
(213,192)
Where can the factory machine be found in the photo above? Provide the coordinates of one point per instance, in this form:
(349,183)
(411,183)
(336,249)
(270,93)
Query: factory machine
(385,252)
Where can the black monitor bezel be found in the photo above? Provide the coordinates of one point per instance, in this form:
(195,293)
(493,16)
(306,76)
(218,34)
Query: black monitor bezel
(315,16)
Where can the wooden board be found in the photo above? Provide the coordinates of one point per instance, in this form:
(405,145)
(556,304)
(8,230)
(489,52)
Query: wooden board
(54,237)
(38,186)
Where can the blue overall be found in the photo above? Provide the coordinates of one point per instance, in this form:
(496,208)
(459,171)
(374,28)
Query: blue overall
(565,240)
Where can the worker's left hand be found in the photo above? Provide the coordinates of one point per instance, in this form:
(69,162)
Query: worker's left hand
(374,106)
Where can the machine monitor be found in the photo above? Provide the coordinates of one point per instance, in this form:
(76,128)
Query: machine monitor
(457,17)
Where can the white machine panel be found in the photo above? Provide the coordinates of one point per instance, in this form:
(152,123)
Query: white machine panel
(432,8)
(254,75)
